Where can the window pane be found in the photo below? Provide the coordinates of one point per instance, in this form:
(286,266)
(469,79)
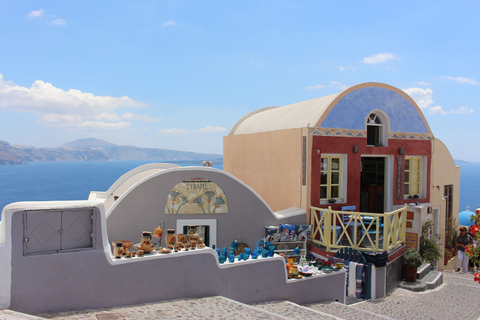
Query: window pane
(415,176)
(407,164)
(335,193)
(414,189)
(335,177)
(407,176)
(323,178)
(335,164)
(323,192)
(415,164)
(324,164)
(407,189)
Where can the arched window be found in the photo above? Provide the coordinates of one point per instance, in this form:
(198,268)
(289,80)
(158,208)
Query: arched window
(376,131)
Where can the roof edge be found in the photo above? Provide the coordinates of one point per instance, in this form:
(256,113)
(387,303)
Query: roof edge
(239,122)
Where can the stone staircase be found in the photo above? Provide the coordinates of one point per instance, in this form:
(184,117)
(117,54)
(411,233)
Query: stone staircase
(427,279)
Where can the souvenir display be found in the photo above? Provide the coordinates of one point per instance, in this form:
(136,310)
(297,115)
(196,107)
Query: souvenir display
(125,244)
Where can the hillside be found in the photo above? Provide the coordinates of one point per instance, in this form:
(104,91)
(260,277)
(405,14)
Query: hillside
(93,150)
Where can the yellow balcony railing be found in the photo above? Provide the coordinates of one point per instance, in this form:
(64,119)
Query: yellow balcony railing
(359,230)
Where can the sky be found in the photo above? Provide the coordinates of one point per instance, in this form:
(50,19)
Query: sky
(178,74)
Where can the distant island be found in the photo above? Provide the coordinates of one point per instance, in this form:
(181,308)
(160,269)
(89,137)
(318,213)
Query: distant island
(92,149)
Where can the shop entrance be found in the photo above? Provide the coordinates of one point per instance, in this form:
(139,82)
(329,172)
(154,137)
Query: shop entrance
(372,185)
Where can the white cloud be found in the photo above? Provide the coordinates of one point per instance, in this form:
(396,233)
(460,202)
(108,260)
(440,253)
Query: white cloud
(338,85)
(138,117)
(346,68)
(333,84)
(379,58)
(461,80)
(209,129)
(169,23)
(36,14)
(423,97)
(173,132)
(60,108)
(59,22)
(256,64)
(425,84)
(316,87)
(177,131)
(437,110)
(463,111)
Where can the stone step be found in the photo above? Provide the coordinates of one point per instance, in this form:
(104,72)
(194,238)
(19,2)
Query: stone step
(423,270)
(342,311)
(432,280)
(293,311)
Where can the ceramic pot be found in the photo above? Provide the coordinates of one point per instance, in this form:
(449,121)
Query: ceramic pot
(146,239)
(118,250)
(192,234)
(171,238)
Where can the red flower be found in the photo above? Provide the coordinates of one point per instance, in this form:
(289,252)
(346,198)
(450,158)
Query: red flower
(470,249)
(474,230)
(477,277)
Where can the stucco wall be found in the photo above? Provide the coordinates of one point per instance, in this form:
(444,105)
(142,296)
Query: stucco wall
(344,145)
(94,279)
(270,163)
(444,172)
(143,207)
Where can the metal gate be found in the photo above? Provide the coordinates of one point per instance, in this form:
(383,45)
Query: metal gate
(55,231)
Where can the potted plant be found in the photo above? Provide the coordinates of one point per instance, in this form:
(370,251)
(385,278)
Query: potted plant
(411,261)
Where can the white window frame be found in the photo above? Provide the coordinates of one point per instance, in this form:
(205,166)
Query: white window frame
(384,126)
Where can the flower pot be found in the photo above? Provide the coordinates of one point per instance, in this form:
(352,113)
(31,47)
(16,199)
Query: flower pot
(409,273)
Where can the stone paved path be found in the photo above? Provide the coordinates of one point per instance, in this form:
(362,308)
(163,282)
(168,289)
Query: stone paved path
(457,298)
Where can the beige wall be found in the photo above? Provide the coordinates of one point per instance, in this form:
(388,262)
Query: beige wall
(444,172)
(270,163)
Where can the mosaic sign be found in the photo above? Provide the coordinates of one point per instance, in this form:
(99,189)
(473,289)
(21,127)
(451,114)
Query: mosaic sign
(196,196)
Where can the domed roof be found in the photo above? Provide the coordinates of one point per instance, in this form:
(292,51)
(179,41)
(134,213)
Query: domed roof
(346,110)
(464,218)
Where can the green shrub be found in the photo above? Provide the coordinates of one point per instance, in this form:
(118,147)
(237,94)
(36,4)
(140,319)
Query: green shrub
(412,258)
(430,247)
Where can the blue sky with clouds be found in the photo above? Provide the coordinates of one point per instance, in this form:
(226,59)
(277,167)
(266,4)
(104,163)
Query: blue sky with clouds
(179,74)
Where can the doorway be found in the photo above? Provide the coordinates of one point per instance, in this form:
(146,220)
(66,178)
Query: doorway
(372,185)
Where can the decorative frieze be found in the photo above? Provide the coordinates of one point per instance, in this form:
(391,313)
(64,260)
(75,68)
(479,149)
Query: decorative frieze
(363,134)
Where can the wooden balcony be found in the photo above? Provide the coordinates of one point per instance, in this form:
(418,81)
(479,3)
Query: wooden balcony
(375,232)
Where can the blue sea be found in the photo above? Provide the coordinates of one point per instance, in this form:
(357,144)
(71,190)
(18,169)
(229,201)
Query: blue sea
(49,181)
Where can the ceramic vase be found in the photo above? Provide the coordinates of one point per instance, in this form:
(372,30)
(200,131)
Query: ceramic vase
(171,239)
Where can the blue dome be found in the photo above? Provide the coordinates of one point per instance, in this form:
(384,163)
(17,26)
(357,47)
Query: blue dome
(464,218)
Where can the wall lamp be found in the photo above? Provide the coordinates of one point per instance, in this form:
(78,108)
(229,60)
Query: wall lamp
(400,150)
(355,148)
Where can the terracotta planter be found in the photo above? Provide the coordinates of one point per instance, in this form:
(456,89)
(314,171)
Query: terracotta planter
(409,273)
